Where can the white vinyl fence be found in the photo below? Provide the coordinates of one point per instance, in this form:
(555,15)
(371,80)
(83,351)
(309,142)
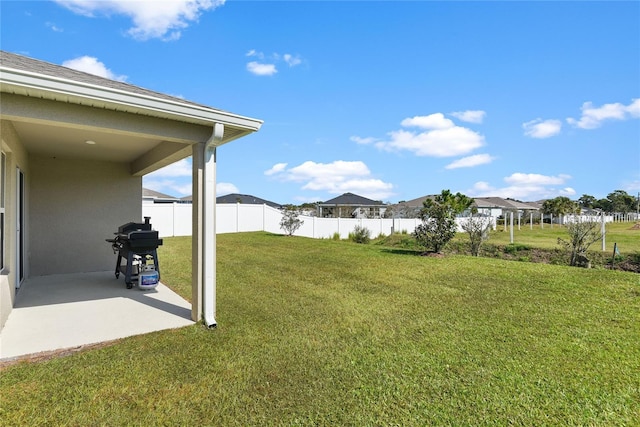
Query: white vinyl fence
(174,219)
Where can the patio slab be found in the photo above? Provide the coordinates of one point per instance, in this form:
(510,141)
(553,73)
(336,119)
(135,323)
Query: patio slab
(72,310)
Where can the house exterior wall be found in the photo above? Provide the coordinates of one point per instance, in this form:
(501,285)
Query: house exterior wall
(16,157)
(75,206)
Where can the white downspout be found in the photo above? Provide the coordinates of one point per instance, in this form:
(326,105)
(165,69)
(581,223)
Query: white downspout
(209,232)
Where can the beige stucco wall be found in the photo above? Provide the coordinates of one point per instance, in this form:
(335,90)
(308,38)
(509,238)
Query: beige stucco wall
(75,206)
(16,157)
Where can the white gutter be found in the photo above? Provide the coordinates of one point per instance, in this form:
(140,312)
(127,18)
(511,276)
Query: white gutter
(87,93)
(209,225)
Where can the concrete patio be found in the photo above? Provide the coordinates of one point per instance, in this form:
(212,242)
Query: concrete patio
(72,310)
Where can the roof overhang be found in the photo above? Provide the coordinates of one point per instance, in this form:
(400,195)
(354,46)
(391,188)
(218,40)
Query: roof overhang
(147,131)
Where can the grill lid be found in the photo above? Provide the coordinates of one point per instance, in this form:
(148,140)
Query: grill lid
(135,226)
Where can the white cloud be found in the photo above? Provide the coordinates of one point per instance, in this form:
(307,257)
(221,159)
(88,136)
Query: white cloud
(91,65)
(261,69)
(440,137)
(291,60)
(175,179)
(335,178)
(567,191)
(171,187)
(432,121)
(539,128)
(593,117)
(151,19)
(526,187)
(54,27)
(454,141)
(278,167)
(470,116)
(177,169)
(470,161)
(631,186)
(535,179)
(223,188)
(362,141)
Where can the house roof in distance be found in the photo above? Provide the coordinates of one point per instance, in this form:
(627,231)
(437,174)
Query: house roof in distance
(350,199)
(246,199)
(499,202)
(156,195)
(480,202)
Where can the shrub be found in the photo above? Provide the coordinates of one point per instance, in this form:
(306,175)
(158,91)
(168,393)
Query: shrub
(478,230)
(438,219)
(582,234)
(360,234)
(514,248)
(336,236)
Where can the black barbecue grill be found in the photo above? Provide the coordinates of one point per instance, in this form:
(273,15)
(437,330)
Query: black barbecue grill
(137,242)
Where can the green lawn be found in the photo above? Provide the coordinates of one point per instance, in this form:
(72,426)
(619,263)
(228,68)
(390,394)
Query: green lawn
(323,332)
(622,233)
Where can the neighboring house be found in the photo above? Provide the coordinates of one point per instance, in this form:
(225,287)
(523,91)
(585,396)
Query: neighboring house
(349,205)
(500,207)
(410,208)
(238,198)
(151,196)
(74,148)
(490,206)
(246,199)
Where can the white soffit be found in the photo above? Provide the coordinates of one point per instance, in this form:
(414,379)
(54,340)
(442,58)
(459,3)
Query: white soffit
(38,85)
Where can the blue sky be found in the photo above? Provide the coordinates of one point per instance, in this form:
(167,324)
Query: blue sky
(388,100)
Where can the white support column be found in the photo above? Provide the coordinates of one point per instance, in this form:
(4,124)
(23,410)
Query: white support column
(197,228)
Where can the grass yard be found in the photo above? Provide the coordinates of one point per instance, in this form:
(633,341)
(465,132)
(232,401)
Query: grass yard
(623,233)
(323,332)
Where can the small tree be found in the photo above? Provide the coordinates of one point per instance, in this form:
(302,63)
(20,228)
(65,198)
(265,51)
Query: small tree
(360,234)
(438,219)
(582,234)
(290,221)
(477,227)
(560,206)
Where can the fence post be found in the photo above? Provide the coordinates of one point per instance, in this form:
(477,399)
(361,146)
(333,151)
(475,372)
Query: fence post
(173,219)
(511,225)
(602,230)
